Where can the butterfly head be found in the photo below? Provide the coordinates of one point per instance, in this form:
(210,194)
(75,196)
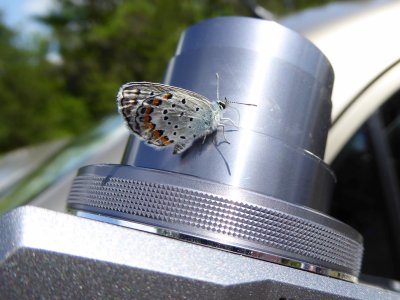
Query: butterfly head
(222,104)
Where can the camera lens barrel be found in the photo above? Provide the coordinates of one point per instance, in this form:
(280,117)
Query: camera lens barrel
(278,146)
(263,194)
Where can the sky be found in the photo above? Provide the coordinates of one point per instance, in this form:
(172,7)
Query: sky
(19,14)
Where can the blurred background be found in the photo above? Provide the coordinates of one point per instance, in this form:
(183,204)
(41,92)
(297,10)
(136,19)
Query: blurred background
(62,61)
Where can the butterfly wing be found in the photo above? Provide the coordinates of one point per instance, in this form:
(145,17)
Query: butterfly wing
(164,115)
(131,96)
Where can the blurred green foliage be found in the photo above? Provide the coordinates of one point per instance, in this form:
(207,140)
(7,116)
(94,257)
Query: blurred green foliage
(34,103)
(102,44)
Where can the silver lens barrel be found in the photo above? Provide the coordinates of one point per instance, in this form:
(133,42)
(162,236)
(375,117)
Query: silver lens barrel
(262,194)
(278,146)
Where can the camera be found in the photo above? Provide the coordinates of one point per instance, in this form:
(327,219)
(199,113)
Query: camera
(240,214)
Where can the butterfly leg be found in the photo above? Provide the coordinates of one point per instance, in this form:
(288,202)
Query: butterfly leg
(230,121)
(223,133)
(180,148)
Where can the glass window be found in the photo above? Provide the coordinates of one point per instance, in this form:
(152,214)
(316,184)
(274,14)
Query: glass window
(364,196)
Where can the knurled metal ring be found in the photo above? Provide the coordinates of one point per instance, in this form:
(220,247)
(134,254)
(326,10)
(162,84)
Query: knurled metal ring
(216,215)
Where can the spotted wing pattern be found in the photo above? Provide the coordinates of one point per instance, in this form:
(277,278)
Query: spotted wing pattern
(164,115)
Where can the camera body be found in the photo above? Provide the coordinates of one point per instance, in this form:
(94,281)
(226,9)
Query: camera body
(244,219)
(55,255)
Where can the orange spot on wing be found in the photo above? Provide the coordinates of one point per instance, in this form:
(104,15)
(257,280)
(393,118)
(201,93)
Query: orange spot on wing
(167,96)
(156,134)
(149,125)
(165,140)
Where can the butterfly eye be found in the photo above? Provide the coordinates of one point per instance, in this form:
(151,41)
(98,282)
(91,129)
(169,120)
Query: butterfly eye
(222,105)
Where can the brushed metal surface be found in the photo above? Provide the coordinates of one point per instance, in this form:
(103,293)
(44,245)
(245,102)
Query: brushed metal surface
(278,146)
(220,214)
(45,254)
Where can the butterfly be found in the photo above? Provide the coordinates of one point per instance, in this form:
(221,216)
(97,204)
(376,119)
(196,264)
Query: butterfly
(169,116)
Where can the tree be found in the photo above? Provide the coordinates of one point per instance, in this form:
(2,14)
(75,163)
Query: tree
(34,107)
(107,43)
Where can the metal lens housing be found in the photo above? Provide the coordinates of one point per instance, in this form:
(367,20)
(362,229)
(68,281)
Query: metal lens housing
(265,192)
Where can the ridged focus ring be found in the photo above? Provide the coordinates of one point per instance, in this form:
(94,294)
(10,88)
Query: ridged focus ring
(246,222)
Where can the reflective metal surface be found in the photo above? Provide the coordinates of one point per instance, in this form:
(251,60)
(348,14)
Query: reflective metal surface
(279,145)
(44,254)
(258,192)
(226,217)
(288,262)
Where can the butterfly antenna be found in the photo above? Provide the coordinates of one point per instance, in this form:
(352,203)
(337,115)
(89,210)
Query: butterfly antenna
(217,75)
(226,100)
(233,102)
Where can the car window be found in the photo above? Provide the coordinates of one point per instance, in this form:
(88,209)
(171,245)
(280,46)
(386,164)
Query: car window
(366,195)
(391,119)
